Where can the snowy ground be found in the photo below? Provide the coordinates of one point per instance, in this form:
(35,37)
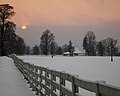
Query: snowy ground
(11,80)
(90,68)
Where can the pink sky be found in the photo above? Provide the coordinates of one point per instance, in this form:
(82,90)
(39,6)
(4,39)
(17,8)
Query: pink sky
(63,16)
(64,12)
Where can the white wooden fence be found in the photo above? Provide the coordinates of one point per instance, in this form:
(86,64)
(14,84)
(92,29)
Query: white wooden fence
(47,82)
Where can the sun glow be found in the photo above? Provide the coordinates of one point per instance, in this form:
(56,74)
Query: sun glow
(24,27)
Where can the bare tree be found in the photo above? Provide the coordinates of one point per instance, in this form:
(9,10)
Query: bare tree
(65,48)
(110,48)
(89,43)
(47,39)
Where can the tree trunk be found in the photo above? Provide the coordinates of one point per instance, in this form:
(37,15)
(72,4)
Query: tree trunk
(2,41)
(111,58)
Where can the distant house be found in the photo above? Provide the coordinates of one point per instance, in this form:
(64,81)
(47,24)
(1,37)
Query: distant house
(76,52)
(66,53)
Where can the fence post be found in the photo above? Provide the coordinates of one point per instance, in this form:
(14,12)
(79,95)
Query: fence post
(98,93)
(36,77)
(28,73)
(53,78)
(45,82)
(25,71)
(40,80)
(98,90)
(47,76)
(32,77)
(74,87)
(62,82)
(51,91)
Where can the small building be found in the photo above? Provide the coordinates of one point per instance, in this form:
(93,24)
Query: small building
(66,53)
(77,52)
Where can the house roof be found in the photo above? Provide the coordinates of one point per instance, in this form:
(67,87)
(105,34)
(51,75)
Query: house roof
(66,53)
(77,51)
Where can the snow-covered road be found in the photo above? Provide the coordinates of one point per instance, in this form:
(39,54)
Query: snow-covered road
(11,80)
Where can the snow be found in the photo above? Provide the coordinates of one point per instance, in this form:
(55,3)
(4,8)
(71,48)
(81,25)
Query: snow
(89,68)
(11,80)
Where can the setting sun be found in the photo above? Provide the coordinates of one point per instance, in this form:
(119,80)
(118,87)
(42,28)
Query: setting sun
(24,27)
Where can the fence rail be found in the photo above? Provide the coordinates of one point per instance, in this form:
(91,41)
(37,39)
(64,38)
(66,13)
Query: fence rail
(47,82)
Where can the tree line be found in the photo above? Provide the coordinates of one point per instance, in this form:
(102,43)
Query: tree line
(105,47)
(10,42)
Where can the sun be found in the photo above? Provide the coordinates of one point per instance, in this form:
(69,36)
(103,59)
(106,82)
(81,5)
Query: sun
(24,27)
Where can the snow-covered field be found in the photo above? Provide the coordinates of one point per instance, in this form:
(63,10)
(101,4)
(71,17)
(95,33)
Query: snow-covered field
(89,68)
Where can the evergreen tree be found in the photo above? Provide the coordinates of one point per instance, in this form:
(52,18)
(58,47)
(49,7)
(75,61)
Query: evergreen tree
(27,50)
(20,46)
(59,50)
(100,49)
(70,48)
(9,38)
(12,42)
(9,41)
(6,12)
(85,45)
(35,50)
